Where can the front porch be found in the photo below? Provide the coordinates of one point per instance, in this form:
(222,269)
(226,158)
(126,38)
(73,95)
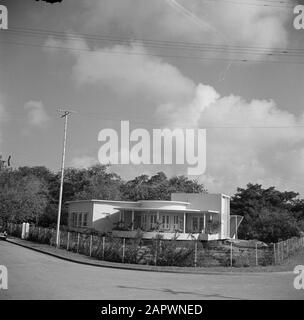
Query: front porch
(166,224)
(164,235)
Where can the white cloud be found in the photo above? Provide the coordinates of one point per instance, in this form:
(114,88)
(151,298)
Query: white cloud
(126,72)
(83,162)
(242,153)
(191,20)
(235,156)
(36,113)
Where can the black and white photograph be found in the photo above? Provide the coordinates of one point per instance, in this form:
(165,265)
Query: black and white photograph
(151,156)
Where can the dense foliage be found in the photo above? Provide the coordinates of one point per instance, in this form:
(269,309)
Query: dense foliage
(32,193)
(269,215)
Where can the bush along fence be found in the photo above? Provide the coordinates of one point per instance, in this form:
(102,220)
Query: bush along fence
(160,252)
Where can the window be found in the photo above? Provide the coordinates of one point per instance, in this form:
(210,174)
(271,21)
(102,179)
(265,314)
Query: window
(195,223)
(79,219)
(74,219)
(85,220)
(175,218)
(176,223)
(153,220)
(201,224)
(144,221)
(165,222)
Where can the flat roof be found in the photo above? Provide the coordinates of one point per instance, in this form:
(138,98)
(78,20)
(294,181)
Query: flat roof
(165,201)
(102,201)
(165,209)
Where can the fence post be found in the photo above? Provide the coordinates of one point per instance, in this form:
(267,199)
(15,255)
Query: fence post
(282,245)
(274,254)
(68,241)
(103,248)
(52,235)
(231,262)
(256,254)
(155,258)
(90,245)
(123,250)
(78,238)
(195,254)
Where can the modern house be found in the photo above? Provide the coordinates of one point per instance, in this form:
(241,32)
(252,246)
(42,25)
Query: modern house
(185,217)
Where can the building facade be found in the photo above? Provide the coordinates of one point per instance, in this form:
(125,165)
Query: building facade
(185,217)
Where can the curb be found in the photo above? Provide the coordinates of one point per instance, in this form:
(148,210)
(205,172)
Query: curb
(121,266)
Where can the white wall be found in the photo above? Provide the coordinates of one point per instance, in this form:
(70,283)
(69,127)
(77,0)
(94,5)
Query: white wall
(104,216)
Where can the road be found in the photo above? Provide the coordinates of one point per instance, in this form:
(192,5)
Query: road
(33,275)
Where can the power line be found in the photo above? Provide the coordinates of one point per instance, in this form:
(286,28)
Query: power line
(270,4)
(200,47)
(173,44)
(106,116)
(102,51)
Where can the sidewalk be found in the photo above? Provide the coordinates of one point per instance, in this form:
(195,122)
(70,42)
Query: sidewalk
(82,259)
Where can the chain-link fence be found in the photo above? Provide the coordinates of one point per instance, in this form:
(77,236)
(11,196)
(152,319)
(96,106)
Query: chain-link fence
(161,252)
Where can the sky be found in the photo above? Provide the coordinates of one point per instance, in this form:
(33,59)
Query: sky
(162,63)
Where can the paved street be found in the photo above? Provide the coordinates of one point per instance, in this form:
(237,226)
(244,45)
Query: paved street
(32,275)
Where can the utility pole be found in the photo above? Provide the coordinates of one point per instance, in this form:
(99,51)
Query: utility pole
(64,114)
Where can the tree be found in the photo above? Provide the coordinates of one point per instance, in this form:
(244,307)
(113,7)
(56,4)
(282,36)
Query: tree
(275,225)
(158,187)
(22,198)
(259,207)
(97,183)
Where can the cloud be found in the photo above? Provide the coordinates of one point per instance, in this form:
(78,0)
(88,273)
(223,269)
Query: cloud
(83,162)
(191,20)
(129,70)
(238,149)
(36,113)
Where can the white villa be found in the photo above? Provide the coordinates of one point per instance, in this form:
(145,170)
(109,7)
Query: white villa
(187,216)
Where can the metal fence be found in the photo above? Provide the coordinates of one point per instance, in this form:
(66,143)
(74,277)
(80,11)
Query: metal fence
(160,252)
(285,249)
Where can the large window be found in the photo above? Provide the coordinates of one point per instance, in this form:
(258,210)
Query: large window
(84,220)
(176,223)
(153,221)
(201,224)
(144,221)
(79,219)
(195,223)
(165,222)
